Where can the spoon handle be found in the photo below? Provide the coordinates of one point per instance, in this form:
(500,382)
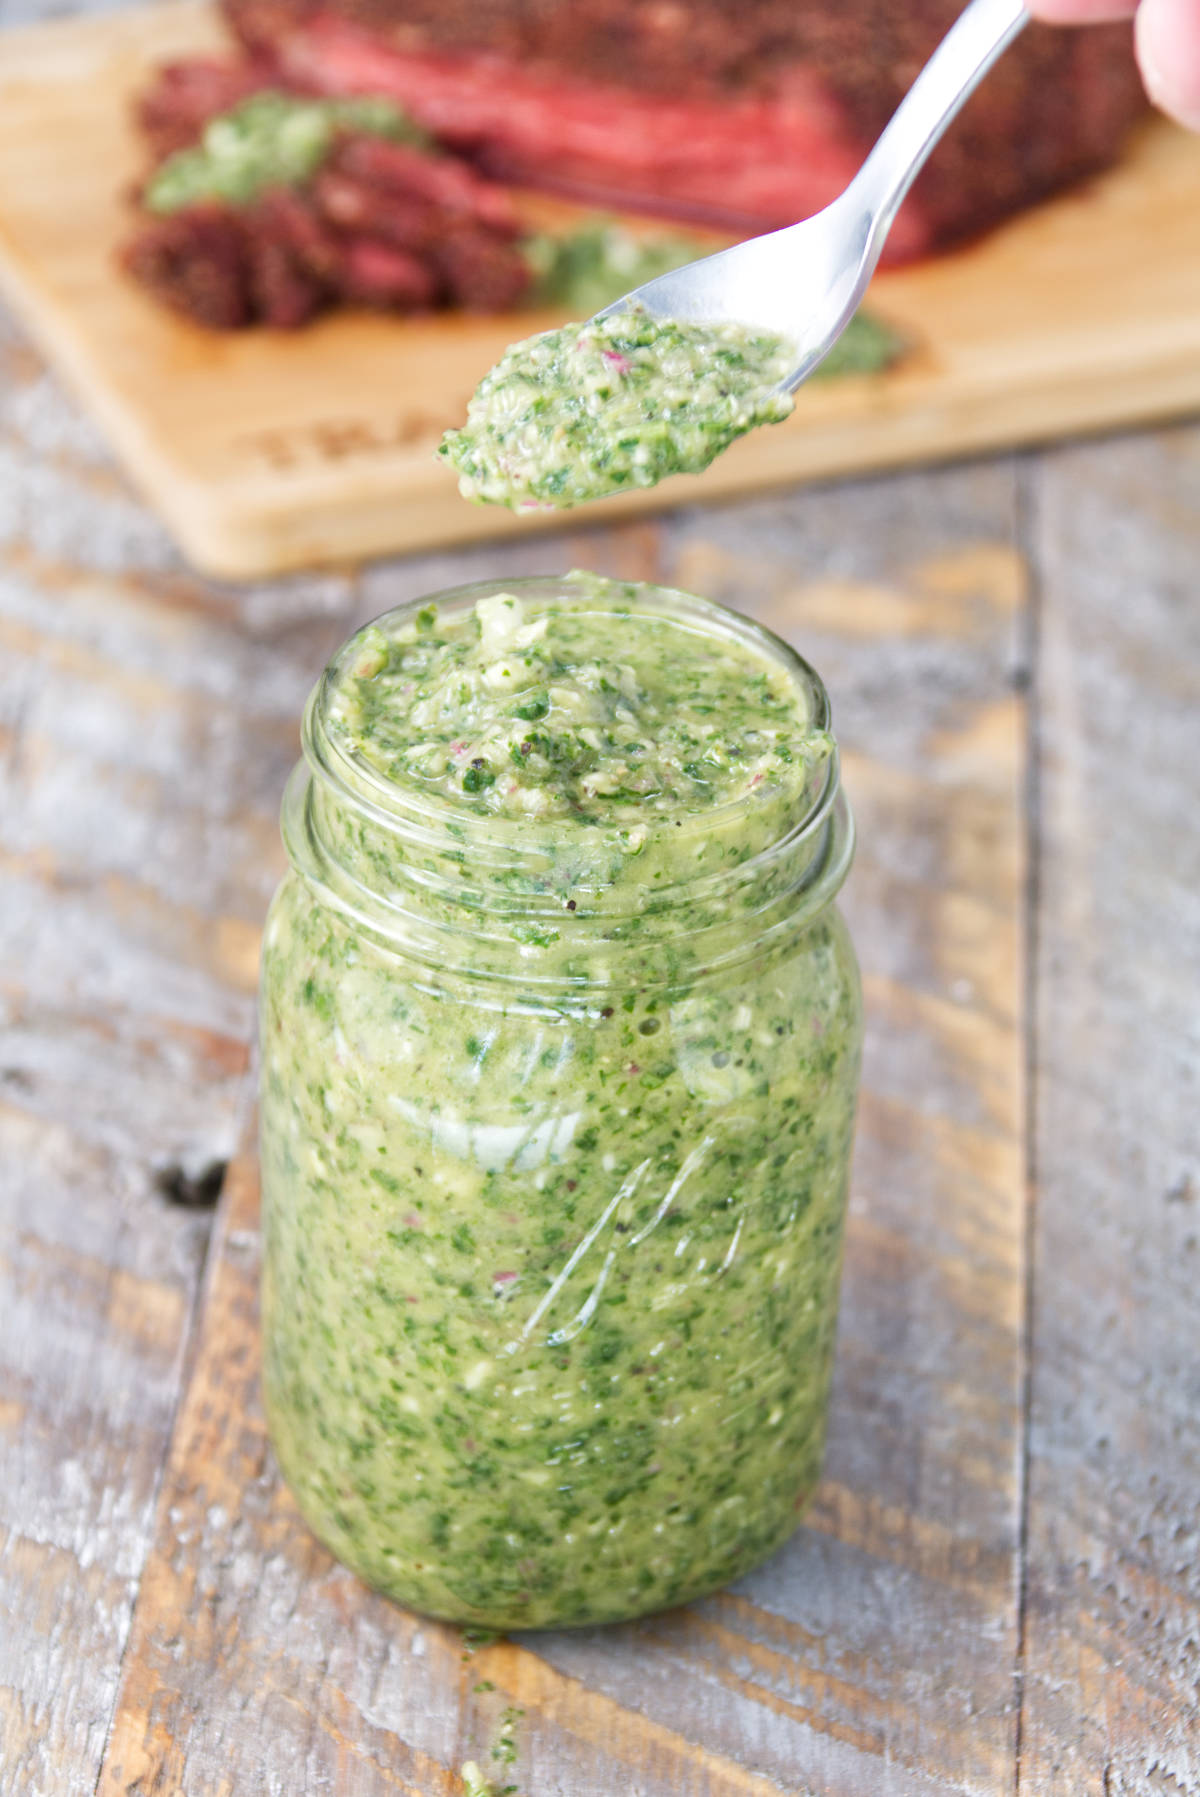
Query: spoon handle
(966,53)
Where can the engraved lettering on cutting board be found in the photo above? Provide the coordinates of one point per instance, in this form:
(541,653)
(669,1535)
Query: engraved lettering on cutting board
(334,440)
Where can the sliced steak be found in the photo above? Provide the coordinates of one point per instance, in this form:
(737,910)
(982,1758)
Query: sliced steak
(750,116)
(195,262)
(480,272)
(381,225)
(445,182)
(372,273)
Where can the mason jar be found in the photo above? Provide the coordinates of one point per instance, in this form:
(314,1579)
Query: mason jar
(556,1122)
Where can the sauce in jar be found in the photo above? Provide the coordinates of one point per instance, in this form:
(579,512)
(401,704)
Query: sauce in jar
(560,1043)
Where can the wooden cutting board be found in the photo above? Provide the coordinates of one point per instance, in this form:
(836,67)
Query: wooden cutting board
(265,453)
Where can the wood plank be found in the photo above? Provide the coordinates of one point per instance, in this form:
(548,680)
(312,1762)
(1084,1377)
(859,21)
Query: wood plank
(133,875)
(269,452)
(1112,1652)
(874,1656)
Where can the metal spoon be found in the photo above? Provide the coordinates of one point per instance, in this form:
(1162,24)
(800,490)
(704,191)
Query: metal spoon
(804,283)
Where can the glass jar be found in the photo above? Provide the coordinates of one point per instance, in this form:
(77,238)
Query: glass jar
(554,1177)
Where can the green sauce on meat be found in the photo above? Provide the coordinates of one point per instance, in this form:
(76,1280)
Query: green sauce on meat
(593,409)
(270,140)
(559,1066)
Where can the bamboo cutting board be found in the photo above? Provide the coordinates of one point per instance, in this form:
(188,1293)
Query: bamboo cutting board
(265,453)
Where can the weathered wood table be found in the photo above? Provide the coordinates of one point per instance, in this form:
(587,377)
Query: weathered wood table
(998,1585)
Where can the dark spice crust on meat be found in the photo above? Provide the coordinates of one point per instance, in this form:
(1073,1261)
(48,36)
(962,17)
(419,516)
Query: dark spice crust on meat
(1056,107)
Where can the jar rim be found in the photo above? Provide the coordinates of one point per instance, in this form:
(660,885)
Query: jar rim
(499,878)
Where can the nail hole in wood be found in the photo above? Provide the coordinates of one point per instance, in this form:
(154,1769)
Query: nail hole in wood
(197,1189)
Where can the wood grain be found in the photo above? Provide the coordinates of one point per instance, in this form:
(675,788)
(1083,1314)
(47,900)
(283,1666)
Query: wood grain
(1112,1654)
(875,1654)
(271,452)
(135,855)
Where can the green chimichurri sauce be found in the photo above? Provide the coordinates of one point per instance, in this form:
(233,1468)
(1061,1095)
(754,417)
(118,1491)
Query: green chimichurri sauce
(548,716)
(590,267)
(558,1088)
(270,140)
(593,409)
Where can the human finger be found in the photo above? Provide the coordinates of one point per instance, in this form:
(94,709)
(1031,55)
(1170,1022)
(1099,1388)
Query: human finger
(1167,34)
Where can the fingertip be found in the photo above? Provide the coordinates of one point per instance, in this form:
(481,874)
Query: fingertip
(1167,34)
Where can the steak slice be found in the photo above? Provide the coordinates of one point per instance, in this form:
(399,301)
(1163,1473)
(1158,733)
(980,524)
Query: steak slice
(372,273)
(195,262)
(442,181)
(479,271)
(185,95)
(748,118)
